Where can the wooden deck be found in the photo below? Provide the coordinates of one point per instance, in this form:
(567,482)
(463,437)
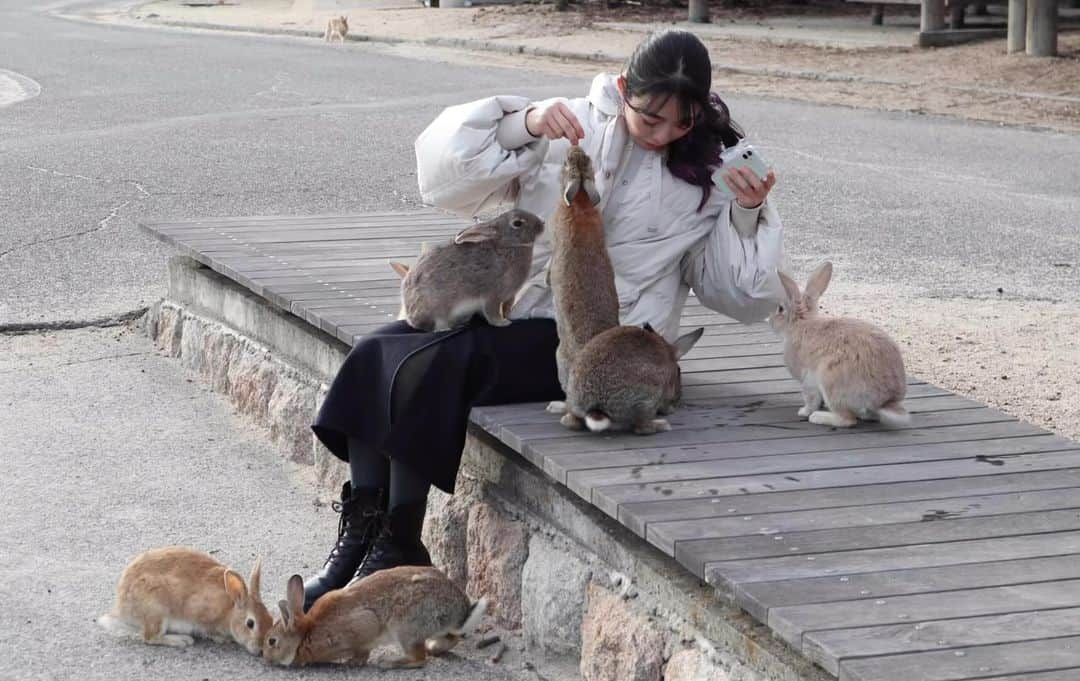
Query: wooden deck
(948,550)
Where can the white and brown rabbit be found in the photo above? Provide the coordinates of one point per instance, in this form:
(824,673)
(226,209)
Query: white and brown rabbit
(851,366)
(167,596)
(627,377)
(580,274)
(418,608)
(480,271)
(336,27)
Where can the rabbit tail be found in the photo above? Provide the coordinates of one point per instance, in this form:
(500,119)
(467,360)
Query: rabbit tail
(893,414)
(472,618)
(115,626)
(597,421)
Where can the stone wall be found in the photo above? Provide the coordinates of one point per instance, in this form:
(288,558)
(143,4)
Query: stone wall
(583,592)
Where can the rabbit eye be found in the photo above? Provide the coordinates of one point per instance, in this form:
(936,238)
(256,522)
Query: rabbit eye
(780,309)
(517,223)
(272,641)
(250,623)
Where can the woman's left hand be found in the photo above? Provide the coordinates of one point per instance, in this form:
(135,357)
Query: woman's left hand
(749,189)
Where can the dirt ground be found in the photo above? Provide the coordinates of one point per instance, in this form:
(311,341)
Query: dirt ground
(1021,356)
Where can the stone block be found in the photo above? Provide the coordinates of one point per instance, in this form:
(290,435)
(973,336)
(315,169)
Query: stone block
(553,587)
(618,644)
(445,534)
(497,549)
(291,410)
(693,665)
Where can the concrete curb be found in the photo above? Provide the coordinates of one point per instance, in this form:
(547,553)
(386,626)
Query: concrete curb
(603,57)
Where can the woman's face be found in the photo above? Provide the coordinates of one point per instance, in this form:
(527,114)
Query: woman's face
(650,127)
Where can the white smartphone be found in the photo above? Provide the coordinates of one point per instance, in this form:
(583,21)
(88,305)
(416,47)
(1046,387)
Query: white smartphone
(741,155)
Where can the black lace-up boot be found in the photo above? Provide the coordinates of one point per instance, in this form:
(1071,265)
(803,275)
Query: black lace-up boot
(398,542)
(361,519)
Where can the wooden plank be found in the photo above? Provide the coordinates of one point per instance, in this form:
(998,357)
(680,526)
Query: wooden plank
(758,598)
(638,461)
(638,517)
(863,434)
(793,621)
(744,425)
(725,573)
(696,553)
(620,467)
(828,648)
(666,535)
(610,498)
(974,663)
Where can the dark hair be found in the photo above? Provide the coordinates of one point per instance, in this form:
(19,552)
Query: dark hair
(675,63)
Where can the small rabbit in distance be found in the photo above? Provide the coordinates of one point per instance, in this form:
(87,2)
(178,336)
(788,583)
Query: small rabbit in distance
(336,27)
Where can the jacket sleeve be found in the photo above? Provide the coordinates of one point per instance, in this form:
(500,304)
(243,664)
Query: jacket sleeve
(733,270)
(461,163)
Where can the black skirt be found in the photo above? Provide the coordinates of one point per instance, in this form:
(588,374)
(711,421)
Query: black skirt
(421,421)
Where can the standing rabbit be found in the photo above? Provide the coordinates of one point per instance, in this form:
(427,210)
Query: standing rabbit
(419,608)
(479,272)
(336,27)
(168,595)
(581,276)
(626,378)
(851,366)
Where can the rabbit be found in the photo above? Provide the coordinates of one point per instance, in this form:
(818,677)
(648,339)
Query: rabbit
(336,27)
(417,607)
(851,366)
(166,596)
(580,273)
(480,271)
(625,378)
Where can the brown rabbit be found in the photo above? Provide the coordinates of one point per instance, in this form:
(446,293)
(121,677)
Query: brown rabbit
(626,378)
(581,276)
(419,608)
(479,272)
(851,366)
(336,27)
(166,596)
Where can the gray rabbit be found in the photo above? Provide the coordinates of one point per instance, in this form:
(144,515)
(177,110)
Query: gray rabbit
(626,378)
(581,276)
(480,271)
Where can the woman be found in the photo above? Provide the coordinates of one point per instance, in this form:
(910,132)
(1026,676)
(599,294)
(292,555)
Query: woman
(398,408)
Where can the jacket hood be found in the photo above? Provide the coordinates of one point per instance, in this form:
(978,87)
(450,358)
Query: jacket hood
(604,94)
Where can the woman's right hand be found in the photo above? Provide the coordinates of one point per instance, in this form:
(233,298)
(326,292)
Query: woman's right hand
(554,121)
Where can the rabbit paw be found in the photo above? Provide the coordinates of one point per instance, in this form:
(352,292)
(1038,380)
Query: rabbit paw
(842,419)
(652,427)
(572,422)
(806,411)
(173,640)
(556,407)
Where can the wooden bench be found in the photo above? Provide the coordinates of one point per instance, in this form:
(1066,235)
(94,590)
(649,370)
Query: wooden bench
(947,550)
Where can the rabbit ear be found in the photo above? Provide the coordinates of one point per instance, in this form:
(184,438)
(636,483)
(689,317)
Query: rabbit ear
(294,592)
(401,268)
(790,287)
(485,231)
(683,345)
(234,586)
(570,191)
(819,280)
(590,189)
(255,580)
(286,614)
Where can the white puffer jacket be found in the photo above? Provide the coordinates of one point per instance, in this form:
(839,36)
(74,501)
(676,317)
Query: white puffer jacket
(478,155)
